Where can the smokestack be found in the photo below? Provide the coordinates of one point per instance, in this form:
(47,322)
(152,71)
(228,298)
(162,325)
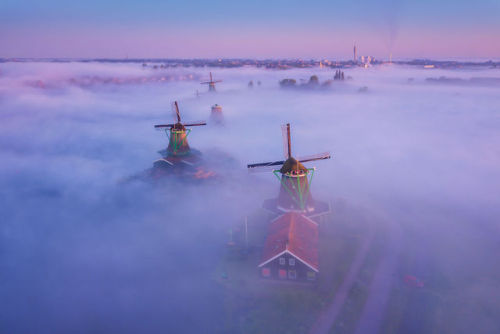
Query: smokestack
(355,54)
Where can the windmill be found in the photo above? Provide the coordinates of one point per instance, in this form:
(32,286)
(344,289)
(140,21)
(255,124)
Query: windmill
(177,134)
(295,180)
(211,83)
(216,116)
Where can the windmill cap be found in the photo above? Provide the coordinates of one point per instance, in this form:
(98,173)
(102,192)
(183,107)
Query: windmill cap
(179,127)
(291,164)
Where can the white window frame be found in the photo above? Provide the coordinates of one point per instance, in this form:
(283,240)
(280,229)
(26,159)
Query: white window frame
(282,261)
(291,261)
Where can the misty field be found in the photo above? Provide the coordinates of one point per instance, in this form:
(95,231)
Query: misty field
(82,251)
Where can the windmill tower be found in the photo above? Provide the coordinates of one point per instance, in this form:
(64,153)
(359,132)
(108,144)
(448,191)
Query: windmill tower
(177,134)
(216,109)
(295,180)
(216,116)
(211,83)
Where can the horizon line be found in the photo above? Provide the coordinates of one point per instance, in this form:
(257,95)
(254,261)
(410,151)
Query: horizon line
(437,59)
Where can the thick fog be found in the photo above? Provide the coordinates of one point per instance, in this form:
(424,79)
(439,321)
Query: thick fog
(82,251)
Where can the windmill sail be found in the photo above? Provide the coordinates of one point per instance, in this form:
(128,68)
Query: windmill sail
(287,144)
(314,157)
(263,169)
(161,126)
(177,113)
(195,123)
(266,164)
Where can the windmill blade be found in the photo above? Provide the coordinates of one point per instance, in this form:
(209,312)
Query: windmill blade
(211,77)
(195,123)
(161,126)
(263,169)
(287,145)
(314,157)
(266,164)
(177,113)
(217,81)
(205,82)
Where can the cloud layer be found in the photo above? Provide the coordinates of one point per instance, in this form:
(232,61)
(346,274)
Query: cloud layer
(81,252)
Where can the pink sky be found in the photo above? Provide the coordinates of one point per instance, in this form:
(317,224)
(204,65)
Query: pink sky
(317,43)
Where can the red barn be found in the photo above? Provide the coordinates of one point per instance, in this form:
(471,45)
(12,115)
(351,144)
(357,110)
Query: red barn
(291,249)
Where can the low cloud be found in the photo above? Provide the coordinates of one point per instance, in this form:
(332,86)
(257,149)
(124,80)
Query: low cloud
(82,252)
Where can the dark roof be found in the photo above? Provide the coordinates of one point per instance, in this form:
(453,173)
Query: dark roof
(295,234)
(292,164)
(179,126)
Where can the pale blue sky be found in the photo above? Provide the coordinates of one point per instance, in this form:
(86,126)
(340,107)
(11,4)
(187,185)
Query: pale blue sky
(109,28)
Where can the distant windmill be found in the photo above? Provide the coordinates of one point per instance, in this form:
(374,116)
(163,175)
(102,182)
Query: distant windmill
(295,179)
(216,115)
(177,134)
(211,83)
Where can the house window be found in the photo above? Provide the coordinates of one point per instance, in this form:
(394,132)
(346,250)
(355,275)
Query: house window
(291,261)
(282,261)
(292,274)
(266,272)
(311,276)
(282,273)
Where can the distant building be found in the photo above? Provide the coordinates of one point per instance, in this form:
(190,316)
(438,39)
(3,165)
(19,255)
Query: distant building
(355,59)
(291,249)
(367,61)
(216,116)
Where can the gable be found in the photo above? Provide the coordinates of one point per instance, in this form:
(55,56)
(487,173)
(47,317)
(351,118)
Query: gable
(294,234)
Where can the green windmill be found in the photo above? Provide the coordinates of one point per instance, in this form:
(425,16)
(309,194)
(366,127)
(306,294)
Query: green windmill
(294,177)
(177,134)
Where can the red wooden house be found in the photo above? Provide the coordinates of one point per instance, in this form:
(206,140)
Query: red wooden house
(291,249)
